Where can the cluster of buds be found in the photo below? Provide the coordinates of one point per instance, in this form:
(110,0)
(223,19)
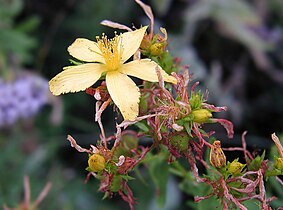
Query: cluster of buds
(112,166)
(178,121)
(236,182)
(154,45)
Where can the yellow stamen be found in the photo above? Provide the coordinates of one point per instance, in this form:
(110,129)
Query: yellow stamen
(111,50)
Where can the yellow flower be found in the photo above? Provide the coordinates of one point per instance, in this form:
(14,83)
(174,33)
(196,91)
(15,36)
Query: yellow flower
(109,56)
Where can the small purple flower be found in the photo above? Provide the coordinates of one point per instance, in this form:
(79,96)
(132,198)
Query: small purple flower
(11,116)
(22,98)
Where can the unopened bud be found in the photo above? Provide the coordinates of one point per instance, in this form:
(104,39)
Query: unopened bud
(217,156)
(96,163)
(235,167)
(279,163)
(201,115)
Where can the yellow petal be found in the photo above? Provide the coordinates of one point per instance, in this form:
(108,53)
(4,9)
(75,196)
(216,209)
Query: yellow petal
(124,93)
(76,78)
(86,50)
(145,70)
(131,42)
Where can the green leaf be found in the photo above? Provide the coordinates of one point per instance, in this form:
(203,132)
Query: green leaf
(28,25)
(256,163)
(116,183)
(127,177)
(274,172)
(16,42)
(142,126)
(188,126)
(140,176)
(196,100)
(75,62)
(106,195)
(9,9)
(159,171)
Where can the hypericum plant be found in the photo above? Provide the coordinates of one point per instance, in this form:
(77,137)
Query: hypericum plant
(172,114)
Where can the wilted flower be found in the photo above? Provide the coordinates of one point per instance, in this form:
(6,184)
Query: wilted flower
(217,156)
(108,56)
(279,161)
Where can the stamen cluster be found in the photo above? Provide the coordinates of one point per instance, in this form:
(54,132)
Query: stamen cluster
(111,51)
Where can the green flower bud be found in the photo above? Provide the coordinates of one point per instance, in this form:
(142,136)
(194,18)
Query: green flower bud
(96,163)
(279,163)
(201,115)
(143,104)
(180,141)
(235,167)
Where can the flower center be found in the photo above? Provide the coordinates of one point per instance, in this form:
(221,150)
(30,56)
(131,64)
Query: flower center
(111,50)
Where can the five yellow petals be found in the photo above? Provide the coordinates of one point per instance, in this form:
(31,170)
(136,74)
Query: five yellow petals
(108,56)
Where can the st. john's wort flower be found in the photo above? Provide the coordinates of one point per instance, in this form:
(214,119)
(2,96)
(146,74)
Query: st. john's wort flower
(108,56)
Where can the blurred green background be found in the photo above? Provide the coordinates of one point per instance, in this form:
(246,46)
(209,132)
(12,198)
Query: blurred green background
(234,48)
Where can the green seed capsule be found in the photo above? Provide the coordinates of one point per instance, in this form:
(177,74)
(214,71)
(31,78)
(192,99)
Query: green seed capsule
(180,141)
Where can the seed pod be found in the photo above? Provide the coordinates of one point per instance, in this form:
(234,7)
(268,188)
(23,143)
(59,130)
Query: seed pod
(96,163)
(201,115)
(217,156)
(157,48)
(235,167)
